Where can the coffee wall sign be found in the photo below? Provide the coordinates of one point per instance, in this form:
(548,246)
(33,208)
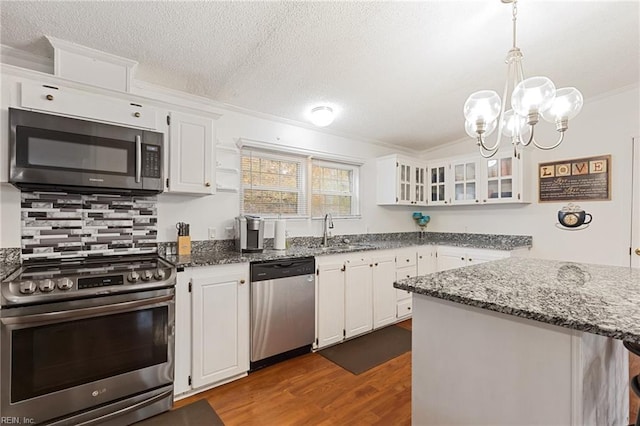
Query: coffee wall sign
(577,179)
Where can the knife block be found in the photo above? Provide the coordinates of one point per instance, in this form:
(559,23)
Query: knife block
(184,245)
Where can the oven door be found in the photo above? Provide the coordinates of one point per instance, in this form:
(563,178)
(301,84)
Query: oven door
(55,363)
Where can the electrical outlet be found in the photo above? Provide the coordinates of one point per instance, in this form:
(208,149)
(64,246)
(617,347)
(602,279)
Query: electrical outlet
(212,233)
(229,231)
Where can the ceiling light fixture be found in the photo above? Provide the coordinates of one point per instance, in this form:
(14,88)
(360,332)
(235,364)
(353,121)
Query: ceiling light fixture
(322,116)
(535,96)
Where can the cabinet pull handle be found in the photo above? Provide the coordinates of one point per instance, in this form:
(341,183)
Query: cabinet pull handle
(49,97)
(136,114)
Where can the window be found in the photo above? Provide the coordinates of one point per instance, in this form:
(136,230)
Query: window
(333,188)
(276,184)
(272,184)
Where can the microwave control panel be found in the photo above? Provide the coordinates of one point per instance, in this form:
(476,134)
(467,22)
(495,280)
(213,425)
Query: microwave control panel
(151,161)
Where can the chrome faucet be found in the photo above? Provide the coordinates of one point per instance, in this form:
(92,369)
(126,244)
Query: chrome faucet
(328,224)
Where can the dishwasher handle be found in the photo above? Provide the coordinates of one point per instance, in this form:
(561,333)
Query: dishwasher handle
(283,268)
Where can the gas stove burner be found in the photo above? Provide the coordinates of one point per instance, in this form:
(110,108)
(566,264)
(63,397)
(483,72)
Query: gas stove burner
(41,282)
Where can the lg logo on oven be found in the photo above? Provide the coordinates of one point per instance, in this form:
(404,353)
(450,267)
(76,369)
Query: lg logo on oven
(98,392)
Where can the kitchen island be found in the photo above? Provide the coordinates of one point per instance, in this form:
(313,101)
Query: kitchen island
(523,341)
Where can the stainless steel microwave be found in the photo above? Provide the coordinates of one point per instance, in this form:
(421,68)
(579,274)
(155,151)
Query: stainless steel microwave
(50,152)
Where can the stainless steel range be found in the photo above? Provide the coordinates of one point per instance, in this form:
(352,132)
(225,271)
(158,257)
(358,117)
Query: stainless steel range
(87,341)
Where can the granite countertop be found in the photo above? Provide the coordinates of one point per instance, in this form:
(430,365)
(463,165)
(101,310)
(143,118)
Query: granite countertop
(220,252)
(482,241)
(597,299)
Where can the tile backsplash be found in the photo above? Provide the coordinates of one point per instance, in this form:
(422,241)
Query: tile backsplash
(56,225)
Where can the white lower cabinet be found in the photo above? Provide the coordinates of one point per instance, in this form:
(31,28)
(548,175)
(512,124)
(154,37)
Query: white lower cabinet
(358,297)
(329,302)
(354,295)
(457,257)
(212,326)
(384,294)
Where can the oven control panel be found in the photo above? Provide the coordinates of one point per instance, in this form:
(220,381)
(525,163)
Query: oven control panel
(35,285)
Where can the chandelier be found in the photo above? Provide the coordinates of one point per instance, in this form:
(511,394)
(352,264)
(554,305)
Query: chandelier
(485,112)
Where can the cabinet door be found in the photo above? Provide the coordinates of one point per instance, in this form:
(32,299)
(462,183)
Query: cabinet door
(191,157)
(330,305)
(502,182)
(451,258)
(384,294)
(419,185)
(465,174)
(183,336)
(438,181)
(426,260)
(358,312)
(220,321)
(404,182)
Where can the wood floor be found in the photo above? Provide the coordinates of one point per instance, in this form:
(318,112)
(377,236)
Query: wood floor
(311,390)
(634,402)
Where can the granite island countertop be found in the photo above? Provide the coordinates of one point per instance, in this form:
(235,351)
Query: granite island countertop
(597,299)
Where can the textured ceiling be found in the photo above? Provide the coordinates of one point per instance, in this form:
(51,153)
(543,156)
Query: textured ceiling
(398,72)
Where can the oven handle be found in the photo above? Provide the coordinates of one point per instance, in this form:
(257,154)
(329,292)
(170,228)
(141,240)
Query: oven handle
(138,157)
(86,312)
(118,413)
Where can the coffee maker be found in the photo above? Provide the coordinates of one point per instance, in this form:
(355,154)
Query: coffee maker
(249,234)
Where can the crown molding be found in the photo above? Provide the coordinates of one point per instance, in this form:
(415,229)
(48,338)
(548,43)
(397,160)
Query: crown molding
(20,58)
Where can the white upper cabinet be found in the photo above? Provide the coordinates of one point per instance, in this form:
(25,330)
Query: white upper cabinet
(465,174)
(502,178)
(53,98)
(401,181)
(191,154)
(439,177)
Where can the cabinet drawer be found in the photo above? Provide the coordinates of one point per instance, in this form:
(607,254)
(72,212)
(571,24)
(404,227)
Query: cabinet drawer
(402,295)
(405,259)
(404,308)
(406,272)
(79,104)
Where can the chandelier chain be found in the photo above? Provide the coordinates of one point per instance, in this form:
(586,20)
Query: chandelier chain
(514,13)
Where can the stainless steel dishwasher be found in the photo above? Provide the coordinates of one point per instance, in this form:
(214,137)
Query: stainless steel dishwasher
(283,309)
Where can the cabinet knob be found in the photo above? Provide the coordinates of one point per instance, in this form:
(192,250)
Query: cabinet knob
(136,114)
(477,201)
(462,258)
(408,276)
(638,251)
(242,281)
(470,260)
(49,97)
(376,264)
(445,202)
(419,257)
(207,184)
(408,260)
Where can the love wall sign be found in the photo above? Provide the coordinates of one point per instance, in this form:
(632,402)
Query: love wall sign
(573,180)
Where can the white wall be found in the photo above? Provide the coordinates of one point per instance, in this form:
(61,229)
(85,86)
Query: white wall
(220,209)
(605,126)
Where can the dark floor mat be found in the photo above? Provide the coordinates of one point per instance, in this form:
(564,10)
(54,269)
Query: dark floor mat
(365,352)
(195,414)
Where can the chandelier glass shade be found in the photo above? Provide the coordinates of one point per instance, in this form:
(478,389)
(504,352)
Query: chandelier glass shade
(484,111)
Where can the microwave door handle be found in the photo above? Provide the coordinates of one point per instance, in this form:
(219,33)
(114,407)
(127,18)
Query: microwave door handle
(138,157)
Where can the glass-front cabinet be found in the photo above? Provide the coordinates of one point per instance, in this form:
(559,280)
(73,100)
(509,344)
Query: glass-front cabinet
(438,182)
(466,174)
(401,181)
(502,181)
